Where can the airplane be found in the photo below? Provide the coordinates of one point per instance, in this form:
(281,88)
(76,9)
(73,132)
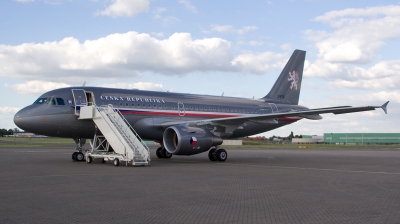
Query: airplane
(178,120)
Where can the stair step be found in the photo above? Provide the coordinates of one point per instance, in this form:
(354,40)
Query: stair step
(110,118)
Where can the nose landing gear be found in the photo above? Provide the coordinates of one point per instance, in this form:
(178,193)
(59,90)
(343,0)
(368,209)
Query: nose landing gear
(78,155)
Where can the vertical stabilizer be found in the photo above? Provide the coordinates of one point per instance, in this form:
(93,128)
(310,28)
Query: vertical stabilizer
(287,86)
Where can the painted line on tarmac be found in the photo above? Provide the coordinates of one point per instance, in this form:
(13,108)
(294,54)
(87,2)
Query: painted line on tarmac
(317,169)
(27,151)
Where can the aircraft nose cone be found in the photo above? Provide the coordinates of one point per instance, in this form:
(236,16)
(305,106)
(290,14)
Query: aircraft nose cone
(21,119)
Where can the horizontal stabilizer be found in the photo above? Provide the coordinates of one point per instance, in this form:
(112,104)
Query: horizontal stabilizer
(384,107)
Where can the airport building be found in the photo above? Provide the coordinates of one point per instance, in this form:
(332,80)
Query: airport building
(308,139)
(362,138)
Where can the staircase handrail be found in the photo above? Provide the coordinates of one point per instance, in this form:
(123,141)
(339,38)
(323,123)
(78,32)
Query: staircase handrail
(129,127)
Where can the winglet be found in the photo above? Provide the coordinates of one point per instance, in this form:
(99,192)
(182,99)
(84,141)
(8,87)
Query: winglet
(384,107)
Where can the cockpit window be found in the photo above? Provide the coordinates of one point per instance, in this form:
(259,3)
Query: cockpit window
(60,101)
(40,101)
(50,101)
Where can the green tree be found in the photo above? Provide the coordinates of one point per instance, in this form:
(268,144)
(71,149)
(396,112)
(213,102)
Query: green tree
(290,136)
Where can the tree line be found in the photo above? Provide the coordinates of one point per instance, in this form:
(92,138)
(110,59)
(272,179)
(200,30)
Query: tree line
(4,131)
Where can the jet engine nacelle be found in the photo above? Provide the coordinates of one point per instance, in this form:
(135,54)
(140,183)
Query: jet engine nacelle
(184,140)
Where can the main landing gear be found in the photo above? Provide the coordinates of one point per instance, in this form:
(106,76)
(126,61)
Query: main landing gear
(216,154)
(163,153)
(78,155)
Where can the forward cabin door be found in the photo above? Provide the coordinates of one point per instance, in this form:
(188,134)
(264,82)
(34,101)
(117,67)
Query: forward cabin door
(79,99)
(181,109)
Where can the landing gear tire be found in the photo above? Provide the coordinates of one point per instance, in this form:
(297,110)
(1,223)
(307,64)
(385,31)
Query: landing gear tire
(212,155)
(222,155)
(89,159)
(166,154)
(116,162)
(159,153)
(74,156)
(80,157)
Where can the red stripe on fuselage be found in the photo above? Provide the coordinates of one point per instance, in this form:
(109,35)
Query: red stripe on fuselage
(176,113)
(191,114)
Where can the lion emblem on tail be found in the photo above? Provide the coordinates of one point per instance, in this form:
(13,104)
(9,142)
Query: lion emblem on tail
(294,77)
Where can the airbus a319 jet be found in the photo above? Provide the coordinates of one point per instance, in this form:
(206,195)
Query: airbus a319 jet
(178,121)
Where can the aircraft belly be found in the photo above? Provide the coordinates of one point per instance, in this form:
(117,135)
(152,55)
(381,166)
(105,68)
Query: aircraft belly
(255,128)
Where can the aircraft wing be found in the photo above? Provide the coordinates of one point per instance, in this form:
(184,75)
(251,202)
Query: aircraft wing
(232,123)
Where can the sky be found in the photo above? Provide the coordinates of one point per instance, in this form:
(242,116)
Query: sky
(235,48)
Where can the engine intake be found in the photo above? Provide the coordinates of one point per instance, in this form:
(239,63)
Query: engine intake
(184,140)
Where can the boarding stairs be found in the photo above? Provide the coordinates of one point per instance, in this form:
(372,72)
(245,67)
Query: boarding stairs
(118,141)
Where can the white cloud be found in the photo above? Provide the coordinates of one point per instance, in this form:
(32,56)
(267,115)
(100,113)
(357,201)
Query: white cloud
(125,8)
(357,34)
(356,37)
(52,2)
(231,29)
(127,54)
(35,86)
(258,63)
(321,68)
(188,5)
(390,10)
(286,47)
(383,75)
(165,19)
(9,110)
(139,85)
(256,43)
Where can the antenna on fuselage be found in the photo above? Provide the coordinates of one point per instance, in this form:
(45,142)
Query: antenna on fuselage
(222,93)
(84,83)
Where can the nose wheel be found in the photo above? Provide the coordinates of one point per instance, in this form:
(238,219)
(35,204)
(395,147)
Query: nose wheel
(78,156)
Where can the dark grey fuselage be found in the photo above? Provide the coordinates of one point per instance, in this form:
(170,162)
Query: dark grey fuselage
(146,111)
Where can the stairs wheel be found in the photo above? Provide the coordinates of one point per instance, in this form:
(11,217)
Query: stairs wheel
(103,161)
(116,162)
(89,159)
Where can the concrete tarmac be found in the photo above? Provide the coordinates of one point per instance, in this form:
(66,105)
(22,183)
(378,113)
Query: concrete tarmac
(252,186)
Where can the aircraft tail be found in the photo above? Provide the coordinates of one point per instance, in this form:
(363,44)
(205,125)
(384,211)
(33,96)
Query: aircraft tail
(287,86)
